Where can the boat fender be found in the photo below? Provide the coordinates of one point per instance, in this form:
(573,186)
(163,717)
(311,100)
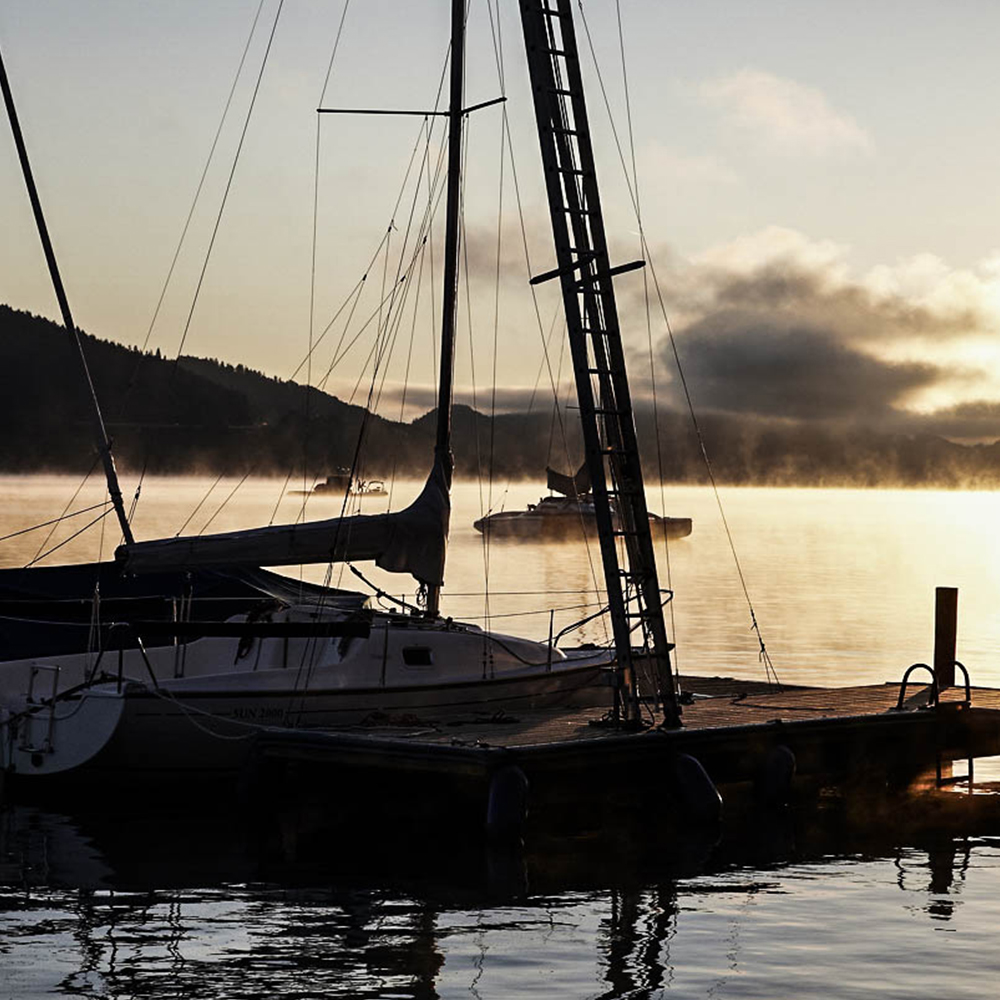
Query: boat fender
(507,806)
(773,781)
(697,795)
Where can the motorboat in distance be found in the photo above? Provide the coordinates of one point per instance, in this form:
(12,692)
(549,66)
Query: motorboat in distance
(340,482)
(566,516)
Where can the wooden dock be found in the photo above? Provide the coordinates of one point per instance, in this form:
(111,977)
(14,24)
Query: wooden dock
(580,772)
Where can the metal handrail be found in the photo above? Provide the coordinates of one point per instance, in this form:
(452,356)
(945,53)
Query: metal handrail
(968,685)
(935,693)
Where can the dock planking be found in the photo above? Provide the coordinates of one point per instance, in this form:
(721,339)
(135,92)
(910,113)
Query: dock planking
(730,727)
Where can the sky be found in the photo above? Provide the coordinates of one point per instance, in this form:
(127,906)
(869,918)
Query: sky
(816,184)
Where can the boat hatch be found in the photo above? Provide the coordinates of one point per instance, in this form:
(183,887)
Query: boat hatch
(418,656)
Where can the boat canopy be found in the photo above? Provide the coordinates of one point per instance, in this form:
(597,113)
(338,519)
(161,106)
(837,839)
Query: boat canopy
(570,486)
(412,541)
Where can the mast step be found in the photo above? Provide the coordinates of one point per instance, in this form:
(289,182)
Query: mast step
(550,12)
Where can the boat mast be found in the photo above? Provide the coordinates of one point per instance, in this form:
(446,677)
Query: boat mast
(449,316)
(97,421)
(608,425)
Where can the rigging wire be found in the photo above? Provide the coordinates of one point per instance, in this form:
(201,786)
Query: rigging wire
(69,503)
(229,497)
(138,490)
(55,520)
(386,331)
(288,479)
(229,184)
(100,552)
(187,222)
(312,268)
(649,327)
(409,356)
(66,541)
(763,654)
(420,239)
(547,361)
(190,516)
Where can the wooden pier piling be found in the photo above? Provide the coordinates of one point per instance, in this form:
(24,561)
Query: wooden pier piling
(945,631)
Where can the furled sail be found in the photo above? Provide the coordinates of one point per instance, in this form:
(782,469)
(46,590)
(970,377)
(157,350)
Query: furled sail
(570,486)
(412,540)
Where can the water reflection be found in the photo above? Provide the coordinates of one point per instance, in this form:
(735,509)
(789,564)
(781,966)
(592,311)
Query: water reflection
(940,870)
(105,906)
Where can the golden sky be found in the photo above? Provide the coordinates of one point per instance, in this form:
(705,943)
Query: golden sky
(817,183)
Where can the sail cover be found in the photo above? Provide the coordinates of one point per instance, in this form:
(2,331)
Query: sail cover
(570,486)
(412,540)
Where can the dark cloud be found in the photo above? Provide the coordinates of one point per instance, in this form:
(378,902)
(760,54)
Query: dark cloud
(849,310)
(743,362)
(972,421)
(793,337)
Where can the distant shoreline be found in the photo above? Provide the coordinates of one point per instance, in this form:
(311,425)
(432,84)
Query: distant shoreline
(203,417)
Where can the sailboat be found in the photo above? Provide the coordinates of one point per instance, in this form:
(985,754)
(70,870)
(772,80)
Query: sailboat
(163,687)
(567,515)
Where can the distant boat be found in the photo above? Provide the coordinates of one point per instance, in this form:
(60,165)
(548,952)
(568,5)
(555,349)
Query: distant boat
(567,516)
(336,484)
(340,483)
(370,488)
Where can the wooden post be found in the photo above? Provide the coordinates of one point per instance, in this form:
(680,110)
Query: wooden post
(945,629)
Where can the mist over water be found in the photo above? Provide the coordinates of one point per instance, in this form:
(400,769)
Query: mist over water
(842,581)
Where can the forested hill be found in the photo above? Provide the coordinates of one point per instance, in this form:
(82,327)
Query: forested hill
(205,416)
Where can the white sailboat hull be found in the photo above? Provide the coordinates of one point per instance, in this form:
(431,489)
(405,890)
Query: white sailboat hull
(202,723)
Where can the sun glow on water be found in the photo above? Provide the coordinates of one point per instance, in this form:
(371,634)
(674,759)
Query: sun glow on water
(842,581)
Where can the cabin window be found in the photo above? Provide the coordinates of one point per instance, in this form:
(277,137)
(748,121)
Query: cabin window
(417,656)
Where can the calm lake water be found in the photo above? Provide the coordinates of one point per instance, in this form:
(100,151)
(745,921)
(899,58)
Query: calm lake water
(842,583)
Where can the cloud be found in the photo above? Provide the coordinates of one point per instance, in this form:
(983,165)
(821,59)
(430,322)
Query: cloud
(977,420)
(742,361)
(789,115)
(776,325)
